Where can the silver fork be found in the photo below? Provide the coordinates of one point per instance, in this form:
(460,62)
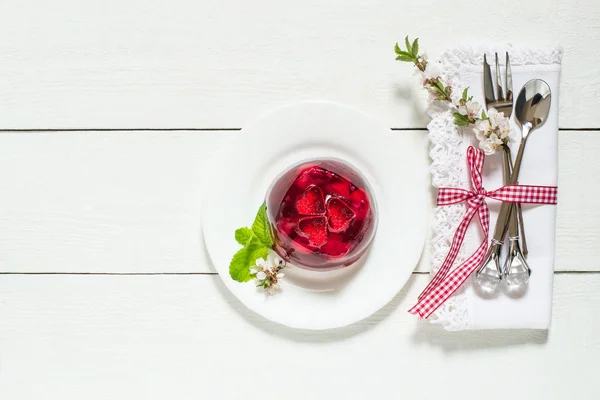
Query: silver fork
(490,273)
(503,103)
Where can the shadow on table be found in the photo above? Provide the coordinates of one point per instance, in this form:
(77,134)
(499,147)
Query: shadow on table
(433,334)
(303,335)
(424,333)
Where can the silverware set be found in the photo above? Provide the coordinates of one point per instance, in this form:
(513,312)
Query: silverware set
(531,109)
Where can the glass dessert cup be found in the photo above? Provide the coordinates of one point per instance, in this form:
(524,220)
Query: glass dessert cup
(322,214)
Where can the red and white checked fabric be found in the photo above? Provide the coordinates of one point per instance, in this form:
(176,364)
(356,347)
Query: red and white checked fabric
(445,283)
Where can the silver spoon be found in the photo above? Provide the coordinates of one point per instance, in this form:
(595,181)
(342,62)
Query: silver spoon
(531,108)
(531,116)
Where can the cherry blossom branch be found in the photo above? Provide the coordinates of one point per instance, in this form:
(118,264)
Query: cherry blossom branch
(491,129)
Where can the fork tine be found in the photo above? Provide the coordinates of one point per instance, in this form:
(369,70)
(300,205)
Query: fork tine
(488,88)
(509,86)
(499,90)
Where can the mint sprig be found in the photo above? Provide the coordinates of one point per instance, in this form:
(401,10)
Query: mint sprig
(256,241)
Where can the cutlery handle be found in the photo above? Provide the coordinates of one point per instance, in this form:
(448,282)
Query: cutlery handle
(506,165)
(490,273)
(522,230)
(501,222)
(504,214)
(513,224)
(514,176)
(513,230)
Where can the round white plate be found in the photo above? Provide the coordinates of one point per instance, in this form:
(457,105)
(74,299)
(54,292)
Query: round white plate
(395,164)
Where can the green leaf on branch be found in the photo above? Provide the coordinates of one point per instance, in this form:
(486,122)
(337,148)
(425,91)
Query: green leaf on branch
(465,93)
(483,114)
(415,48)
(397,48)
(404,58)
(438,90)
(460,119)
(408,46)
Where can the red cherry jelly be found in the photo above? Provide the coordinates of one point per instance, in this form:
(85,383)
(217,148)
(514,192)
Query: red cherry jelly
(322,214)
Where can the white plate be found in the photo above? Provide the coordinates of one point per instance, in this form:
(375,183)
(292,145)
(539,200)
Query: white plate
(395,163)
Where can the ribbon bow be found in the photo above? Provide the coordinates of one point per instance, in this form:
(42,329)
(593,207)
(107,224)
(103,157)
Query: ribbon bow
(444,284)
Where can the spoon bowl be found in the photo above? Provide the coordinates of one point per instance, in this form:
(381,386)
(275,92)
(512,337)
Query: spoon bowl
(532,109)
(533,105)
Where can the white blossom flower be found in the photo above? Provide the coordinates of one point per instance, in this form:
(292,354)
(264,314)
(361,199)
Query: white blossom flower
(494,117)
(433,70)
(492,132)
(470,109)
(494,139)
(482,126)
(487,147)
(261,262)
(503,126)
(498,120)
(266,273)
(261,276)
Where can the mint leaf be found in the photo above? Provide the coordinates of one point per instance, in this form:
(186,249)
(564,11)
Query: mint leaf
(243,235)
(415,48)
(260,227)
(404,58)
(408,47)
(239,267)
(258,252)
(465,93)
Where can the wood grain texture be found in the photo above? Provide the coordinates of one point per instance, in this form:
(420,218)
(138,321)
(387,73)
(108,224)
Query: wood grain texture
(182,337)
(130,202)
(207,64)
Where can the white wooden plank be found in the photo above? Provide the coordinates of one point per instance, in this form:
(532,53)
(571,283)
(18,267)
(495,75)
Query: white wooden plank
(182,337)
(185,63)
(130,201)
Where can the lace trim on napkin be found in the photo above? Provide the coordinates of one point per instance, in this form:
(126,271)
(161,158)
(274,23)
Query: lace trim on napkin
(447,149)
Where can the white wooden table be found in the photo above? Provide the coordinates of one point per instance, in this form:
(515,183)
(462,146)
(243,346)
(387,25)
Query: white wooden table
(108,110)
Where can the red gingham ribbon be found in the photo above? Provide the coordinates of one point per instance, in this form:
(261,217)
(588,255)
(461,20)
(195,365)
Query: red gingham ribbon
(444,284)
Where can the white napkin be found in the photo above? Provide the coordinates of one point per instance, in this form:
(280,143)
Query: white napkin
(532,307)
